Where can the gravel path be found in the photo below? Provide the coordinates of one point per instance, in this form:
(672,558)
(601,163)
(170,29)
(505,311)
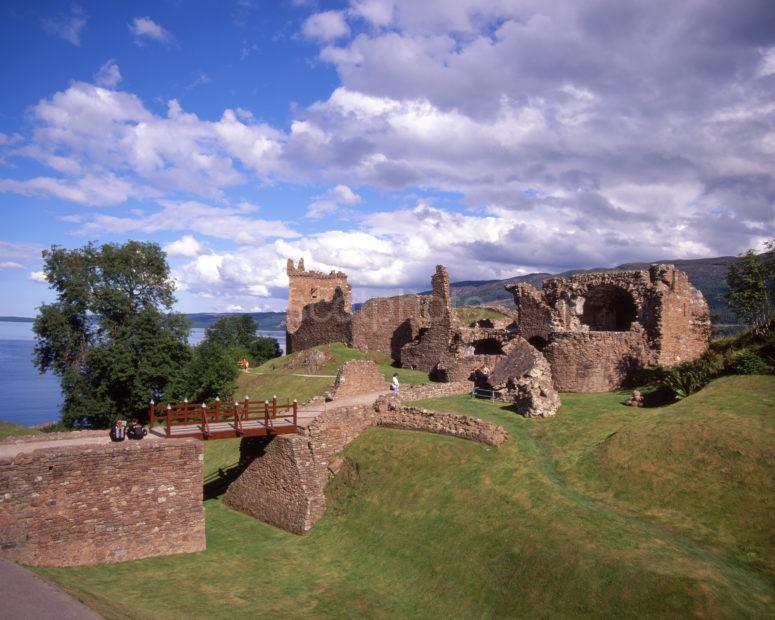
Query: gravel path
(27,596)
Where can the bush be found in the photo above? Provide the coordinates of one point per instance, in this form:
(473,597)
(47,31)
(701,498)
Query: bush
(748,363)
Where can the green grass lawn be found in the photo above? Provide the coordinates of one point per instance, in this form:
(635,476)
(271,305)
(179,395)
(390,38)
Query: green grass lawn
(280,377)
(9,429)
(602,511)
(470,314)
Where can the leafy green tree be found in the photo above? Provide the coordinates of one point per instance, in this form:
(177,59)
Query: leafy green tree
(110,335)
(239,331)
(749,293)
(212,371)
(215,362)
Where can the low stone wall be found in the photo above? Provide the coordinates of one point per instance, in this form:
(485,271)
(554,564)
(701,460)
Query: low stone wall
(463,426)
(357,377)
(284,484)
(434,390)
(72,503)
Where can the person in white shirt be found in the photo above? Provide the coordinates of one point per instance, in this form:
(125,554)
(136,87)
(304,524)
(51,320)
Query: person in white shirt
(394,383)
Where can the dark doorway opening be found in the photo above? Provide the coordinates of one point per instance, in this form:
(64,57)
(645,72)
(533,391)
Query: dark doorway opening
(488,346)
(609,309)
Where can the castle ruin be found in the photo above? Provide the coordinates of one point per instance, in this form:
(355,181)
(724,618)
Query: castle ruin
(594,329)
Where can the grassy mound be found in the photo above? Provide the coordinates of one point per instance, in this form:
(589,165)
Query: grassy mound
(289,378)
(9,429)
(596,512)
(470,314)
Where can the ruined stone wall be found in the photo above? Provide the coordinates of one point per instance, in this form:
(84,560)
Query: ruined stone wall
(323,322)
(306,288)
(631,319)
(284,478)
(463,368)
(435,343)
(681,315)
(434,390)
(358,377)
(93,503)
(535,318)
(594,361)
(386,324)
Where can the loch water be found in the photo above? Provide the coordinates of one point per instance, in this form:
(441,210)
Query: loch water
(29,398)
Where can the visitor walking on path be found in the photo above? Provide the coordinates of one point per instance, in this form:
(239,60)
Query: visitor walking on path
(394,383)
(245,364)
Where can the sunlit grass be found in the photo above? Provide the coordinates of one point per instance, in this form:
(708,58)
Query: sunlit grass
(603,511)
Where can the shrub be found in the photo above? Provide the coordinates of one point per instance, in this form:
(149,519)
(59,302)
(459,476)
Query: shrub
(748,363)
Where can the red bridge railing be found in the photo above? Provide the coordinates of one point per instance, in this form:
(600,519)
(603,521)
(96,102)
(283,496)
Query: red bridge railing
(220,420)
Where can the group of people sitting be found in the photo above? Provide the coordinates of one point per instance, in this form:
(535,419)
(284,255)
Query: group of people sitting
(120,431)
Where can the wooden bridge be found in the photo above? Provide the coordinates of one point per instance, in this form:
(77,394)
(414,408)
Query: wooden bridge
(217,420)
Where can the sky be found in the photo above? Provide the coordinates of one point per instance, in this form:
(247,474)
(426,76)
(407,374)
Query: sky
(381,137)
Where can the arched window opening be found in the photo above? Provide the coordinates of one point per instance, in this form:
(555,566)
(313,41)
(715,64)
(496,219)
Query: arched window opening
(609,309)
(488,346)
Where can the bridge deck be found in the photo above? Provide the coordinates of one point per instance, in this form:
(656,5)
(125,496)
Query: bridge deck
(225,430)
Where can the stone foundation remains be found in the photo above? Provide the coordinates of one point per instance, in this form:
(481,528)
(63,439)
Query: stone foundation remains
(357,377)
(285,480)
(81,500)
(596,329)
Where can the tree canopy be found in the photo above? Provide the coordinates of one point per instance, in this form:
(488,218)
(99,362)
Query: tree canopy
(751,283)
(110,335)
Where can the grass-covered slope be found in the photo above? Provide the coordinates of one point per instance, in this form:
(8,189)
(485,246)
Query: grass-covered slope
(9,429)
(284,376)
(596,513)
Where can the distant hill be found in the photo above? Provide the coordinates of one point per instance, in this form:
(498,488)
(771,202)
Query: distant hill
(707,274)
(16,319)
(272,321)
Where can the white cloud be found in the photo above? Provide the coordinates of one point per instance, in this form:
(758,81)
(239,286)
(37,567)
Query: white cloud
(108,75)
(767,65)
(10,265)
(231,223)
(88,190)
(38,276)
(376,12)
(67,26)
(330,202)
(145,29)
(344,195)
(325,26)
(187,246)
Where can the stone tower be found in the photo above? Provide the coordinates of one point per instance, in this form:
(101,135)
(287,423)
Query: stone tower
(306,289)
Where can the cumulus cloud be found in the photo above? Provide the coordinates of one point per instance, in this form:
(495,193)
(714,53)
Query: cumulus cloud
(187,246)
(10,265)
(145,29)
(325,26)
(232,223)
(331,201)
(559,134)
(38,276)
(67,26)
(108,75)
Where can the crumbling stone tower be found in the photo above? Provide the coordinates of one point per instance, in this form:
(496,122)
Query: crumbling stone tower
(597,328)
(319,308)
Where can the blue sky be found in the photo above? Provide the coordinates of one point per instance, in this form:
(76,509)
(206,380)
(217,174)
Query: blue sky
(382,137)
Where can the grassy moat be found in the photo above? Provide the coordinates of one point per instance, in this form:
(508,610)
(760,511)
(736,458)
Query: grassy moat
(602,511)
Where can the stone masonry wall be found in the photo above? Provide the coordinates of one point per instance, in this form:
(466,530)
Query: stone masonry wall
(306,288)
(386,324)
(435,344)
(284,484)
(95,503)
(357,377)
(323,322)
(593,361)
